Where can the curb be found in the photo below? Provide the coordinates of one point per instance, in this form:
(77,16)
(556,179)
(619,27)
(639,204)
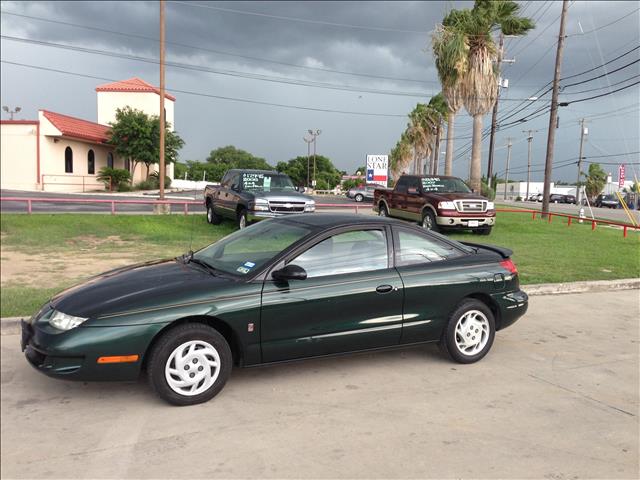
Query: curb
(11,325)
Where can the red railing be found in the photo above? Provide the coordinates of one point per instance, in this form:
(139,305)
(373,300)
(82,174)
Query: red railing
(185,205)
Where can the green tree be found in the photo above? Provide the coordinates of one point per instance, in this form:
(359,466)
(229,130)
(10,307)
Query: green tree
(478,85)
(232,157)
(136,137)
(113,177)
(327,176)
(179,169)
(596,180)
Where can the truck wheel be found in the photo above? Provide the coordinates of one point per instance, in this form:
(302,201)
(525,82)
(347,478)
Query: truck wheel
(429,221)
(382,210)
(212,217)
(359,198)
(243,221)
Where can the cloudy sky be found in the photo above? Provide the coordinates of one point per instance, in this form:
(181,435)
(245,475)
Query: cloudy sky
(259,74)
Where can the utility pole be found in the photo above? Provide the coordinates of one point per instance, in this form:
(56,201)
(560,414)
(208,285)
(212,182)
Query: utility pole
(506,175)
(553,115)
(583,132)
(308,141)
(494,116)
(529,139)
(161,174)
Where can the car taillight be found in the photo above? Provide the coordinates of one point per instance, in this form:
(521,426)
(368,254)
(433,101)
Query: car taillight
(509,265)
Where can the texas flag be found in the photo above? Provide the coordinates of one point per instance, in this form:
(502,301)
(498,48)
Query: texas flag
(375,178)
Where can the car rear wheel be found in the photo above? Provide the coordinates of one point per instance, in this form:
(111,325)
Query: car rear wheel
(243,221)
(190,364)
(212,217)
(469,333)
(359,198)
(382,210)
(429,221)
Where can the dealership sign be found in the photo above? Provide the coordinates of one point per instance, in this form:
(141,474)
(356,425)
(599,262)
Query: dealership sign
(621,176)
(378,169)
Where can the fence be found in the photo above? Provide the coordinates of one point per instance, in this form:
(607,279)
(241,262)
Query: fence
(185,207)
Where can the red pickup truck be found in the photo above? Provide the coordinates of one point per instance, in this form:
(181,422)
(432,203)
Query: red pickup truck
(437,203)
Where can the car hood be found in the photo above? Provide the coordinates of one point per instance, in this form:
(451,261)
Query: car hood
(443,197)
(283,196)
(145,285)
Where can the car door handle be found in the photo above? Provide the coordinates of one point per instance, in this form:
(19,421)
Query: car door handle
(385,288)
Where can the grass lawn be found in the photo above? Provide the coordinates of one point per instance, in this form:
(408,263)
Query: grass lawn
(42,254)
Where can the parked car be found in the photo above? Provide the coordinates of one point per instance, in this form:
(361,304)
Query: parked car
(247,196)
(535,197)
(608,201)
(437,203)
(359,194)
(287,288)
(562,198)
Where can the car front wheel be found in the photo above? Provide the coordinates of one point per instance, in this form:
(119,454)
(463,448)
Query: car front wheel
(359,198)
(382,210)
(190,364)
(469,333)
(242,219)
(212,217)
(429,221)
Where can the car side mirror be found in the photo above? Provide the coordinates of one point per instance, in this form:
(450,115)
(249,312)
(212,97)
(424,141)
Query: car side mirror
(290,272)
(412,191)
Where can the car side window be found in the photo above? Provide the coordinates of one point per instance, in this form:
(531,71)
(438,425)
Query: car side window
(349,252)
(401,187)
(414,183)
(233,180)
(414,249)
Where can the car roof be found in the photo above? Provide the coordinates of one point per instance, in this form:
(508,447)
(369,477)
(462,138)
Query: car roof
(431,176)
(323,220)
(253,170)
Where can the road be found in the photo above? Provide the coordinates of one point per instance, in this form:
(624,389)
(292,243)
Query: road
(615,215)
(557,398)
(64,207)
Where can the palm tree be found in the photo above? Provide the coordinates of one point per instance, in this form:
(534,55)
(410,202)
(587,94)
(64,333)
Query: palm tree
(419,133)
(402,154)
(450,52)
(438,113)
(478,85)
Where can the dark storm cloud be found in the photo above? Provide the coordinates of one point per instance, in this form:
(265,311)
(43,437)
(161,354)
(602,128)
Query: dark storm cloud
(276,133)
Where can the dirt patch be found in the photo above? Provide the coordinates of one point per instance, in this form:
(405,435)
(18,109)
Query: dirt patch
(91,242)
(49,270)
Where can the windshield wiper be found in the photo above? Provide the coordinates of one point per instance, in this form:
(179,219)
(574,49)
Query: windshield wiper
(189,258)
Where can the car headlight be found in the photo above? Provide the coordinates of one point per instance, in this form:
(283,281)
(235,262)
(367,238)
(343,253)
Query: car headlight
(447,206)
(490,205)
(62,321)
(310,207)
(260,205)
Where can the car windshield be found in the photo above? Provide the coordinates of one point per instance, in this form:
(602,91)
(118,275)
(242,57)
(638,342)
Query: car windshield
(247,250)
(444,185)
(266,182)
(609,197)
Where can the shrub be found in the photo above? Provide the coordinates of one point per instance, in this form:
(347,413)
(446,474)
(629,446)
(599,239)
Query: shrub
(154,178)
(145,185)
(124,187)
(518,198)
(114,178)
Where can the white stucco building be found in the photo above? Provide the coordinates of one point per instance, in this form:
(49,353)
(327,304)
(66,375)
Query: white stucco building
(58,152)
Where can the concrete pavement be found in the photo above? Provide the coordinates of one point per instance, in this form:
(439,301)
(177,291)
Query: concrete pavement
(556,398)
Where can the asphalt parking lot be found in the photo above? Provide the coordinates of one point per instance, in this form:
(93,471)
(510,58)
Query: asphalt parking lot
(557,398)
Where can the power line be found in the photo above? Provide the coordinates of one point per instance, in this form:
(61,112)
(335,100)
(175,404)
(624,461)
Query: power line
(220,52)
(600,88)
(602,75)
(220,97)
(605,26)
(302,20)
(602,94)
(602,65)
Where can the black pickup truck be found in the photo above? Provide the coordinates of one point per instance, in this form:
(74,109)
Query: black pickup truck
(250,195)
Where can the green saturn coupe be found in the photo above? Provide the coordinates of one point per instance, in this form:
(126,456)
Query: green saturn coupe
(287,288)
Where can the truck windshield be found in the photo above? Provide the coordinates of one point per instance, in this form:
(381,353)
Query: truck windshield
(444,185)
(266,182)
(247,250)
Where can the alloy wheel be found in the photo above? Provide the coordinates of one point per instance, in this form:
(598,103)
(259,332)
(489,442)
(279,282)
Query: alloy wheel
(192,368)
(472,332)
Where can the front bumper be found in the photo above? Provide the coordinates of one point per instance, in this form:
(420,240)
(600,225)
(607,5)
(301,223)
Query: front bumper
(255,216)
(465,221)
(73,355)
(513,305)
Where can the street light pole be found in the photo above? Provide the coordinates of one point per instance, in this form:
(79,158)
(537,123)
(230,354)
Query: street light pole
(583,132)
(506,175)
(314,134)
(529,139)
(10,111)
(161,173)
(308,142)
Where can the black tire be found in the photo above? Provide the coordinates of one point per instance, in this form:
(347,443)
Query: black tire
(448,340)
(242,221)
(482,230)
(169,342)
(429,221)
(359,198)
(212,217)
(382,210)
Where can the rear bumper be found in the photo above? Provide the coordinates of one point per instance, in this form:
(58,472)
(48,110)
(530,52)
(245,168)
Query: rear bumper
(512,306)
